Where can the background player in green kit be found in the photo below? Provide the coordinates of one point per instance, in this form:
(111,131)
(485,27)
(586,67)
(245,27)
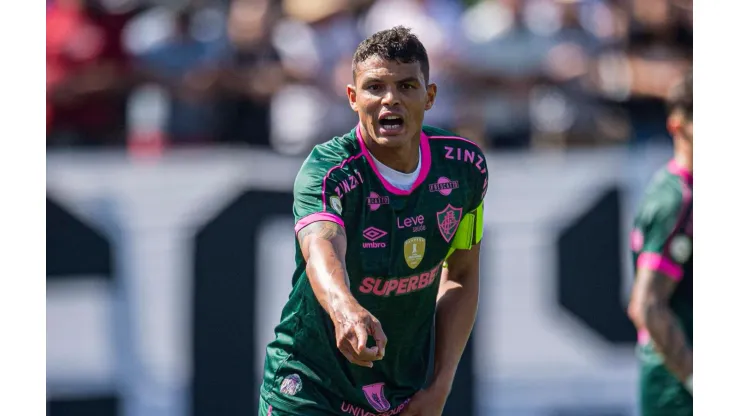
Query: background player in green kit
(662,297)
(388,225)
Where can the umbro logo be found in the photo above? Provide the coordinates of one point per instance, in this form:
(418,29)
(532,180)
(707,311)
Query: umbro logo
(373,234)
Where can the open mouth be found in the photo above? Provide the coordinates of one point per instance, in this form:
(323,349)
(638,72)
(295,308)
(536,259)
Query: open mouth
(391,124)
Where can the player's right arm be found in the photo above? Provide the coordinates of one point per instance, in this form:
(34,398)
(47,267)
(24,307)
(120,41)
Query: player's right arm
(324,246)
(656,279)
(323,243)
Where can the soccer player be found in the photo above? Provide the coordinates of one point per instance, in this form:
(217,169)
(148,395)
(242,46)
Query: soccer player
(389,218)
(662,298)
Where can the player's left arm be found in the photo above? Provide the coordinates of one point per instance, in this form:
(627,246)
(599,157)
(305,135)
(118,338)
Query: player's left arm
(457,302)
(457,306)
(457,298)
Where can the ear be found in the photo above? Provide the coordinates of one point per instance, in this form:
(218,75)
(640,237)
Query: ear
(674,124)
(431,95)
(352,96)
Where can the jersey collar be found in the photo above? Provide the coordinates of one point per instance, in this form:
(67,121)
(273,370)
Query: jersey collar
(426,163)
(680,171)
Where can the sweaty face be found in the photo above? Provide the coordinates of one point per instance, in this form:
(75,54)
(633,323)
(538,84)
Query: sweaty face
(390,98)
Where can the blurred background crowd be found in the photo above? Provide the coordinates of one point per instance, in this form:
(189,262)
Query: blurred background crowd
(513,74)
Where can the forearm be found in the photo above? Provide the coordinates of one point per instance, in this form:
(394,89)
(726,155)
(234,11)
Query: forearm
(669,339)
(457,306)
(324,246)
(329,282)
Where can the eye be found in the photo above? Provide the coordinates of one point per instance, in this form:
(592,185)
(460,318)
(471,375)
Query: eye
(373,87)
(407,86)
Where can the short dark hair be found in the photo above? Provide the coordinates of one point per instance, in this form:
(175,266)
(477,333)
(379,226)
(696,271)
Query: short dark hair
(396,44)
(681,96)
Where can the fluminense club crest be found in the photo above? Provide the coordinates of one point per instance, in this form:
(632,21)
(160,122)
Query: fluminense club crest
(448,220)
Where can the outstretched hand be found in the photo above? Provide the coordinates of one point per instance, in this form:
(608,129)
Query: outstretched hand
(352,326)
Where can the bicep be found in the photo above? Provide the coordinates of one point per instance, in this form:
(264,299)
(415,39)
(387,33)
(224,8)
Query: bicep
(463,260)
(463,266)
(323,241)
(319,223)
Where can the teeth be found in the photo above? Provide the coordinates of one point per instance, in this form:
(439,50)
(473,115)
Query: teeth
(392,118)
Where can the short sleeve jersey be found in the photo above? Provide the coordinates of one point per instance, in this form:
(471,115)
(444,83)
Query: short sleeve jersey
(662,238)
(397,243)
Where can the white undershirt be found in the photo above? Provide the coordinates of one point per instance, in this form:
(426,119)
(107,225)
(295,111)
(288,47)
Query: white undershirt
(398,179)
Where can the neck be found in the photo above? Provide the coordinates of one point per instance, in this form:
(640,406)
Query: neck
(404,158)
(684,159)
(683,152)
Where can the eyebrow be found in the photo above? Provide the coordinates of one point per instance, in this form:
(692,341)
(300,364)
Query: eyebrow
(407,79)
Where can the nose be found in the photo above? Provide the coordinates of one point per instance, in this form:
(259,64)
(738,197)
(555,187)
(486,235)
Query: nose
(390,98)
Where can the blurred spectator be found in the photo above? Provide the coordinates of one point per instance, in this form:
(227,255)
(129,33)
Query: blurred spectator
(502,59)
(564,112)
(316,39)
(186,65)
(636,75)
(250,74)
(660,51)
(87,72)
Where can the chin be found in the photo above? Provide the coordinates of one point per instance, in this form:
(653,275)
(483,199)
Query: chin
(395,140)
(392,141)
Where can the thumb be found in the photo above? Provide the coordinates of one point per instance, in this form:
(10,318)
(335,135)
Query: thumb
(380,338)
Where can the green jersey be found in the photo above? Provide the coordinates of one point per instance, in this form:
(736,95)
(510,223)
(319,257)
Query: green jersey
(662,240)
(397,243)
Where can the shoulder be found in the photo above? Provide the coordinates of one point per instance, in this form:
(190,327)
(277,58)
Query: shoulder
(663,198)
(440,137)
(332,159)
(448,146)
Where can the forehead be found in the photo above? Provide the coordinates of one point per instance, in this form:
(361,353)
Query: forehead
(376,67)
